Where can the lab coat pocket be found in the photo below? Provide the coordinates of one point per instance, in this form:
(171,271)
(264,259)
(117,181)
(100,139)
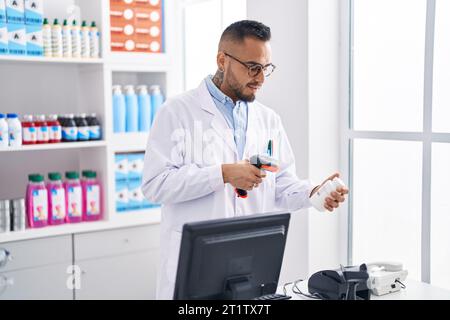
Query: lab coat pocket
(173,254)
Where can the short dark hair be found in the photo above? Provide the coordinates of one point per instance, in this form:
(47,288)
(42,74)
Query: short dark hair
(240,30)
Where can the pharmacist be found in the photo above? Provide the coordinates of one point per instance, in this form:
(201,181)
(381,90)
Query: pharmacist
(197,150)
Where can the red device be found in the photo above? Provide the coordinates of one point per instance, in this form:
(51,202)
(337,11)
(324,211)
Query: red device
(263,162)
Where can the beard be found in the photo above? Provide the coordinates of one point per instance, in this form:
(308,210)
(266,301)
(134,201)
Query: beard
(238,89)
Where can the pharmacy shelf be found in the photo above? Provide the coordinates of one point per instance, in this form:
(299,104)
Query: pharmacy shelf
(129,142)
(129,219)
(56,146)
(8,58)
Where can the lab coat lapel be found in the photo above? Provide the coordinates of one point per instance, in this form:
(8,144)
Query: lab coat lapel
(253,128)
(218,122)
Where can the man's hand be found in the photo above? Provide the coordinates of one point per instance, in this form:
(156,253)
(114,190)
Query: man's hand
(242,175)
(336,197)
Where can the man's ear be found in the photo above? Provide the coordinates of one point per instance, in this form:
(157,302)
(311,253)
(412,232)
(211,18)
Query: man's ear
(221,61)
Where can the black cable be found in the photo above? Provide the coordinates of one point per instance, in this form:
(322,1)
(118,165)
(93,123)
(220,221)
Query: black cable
(403,286)
(296,290)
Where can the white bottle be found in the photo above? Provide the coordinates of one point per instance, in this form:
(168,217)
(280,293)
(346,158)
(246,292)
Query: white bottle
(76,40)
(4,134)
(318,198)
(47,38)
(57,44)
(85,41)
(14,130)
(94,39)
(67,40)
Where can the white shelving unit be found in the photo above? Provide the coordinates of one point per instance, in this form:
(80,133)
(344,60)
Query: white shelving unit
(39,85)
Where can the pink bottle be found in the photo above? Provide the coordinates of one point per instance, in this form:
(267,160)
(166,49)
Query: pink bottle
(74,199)
(36,201)
(92,196)
(56,199)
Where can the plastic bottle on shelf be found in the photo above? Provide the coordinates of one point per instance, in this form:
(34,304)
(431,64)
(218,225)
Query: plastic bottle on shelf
(132,114)
(4,134)
(95,131)
(57,44)
(74,197)
(36,201)
(47,38)
(157,100)
(94,38)
(92,196)
(56,199)
(42,129)
(66,40)
(76,40)
(119,110)
(29,134)
(14,130)
(69,129)
(83,127)
(55,129)
(85,40)
(145,109)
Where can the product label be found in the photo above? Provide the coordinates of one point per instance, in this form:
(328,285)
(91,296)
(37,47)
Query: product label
(29,134)
(15,135)
(58,204)
(83,133)
(70,133)
(42,134)
(3,38)
(55,133)
(94,132)
(93,200)
(40,205)
(4,141)
(74,202)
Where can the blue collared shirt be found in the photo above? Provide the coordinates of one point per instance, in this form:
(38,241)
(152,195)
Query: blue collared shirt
(236,116)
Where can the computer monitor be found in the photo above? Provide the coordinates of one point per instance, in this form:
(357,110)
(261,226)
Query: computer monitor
(229,259)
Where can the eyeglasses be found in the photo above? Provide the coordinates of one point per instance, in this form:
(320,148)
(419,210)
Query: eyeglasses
(254,69)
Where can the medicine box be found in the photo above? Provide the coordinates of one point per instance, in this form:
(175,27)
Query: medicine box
(17,42)
(121,167)
(34,12)
(35,45)
(15,11)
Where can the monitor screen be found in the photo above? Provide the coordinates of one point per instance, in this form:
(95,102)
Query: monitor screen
(236,258)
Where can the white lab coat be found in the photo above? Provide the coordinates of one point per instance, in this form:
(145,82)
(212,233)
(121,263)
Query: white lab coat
(187,145)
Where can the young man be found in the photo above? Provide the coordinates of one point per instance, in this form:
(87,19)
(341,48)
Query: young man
(199,147)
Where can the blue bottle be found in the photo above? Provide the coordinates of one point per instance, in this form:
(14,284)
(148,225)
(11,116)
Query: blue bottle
(132,113)
(157,100)
(119,110)
(145,109)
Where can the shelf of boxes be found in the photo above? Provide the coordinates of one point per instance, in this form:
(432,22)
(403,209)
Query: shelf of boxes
(66,85)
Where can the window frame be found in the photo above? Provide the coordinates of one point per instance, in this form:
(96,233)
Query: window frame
(427,137)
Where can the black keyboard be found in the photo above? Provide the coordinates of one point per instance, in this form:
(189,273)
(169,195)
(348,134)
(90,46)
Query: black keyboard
(273,296)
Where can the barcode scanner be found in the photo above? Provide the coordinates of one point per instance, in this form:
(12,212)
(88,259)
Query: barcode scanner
(263,162)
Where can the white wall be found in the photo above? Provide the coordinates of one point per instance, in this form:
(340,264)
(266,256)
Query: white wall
(323,82)
(286,92)
(304,91)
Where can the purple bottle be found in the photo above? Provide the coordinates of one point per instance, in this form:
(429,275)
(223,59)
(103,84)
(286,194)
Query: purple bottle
(56,199)
(74,199)
(36,201)
(92,196)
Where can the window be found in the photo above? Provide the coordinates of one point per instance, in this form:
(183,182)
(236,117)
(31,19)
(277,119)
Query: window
(397,138)
(204,22)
